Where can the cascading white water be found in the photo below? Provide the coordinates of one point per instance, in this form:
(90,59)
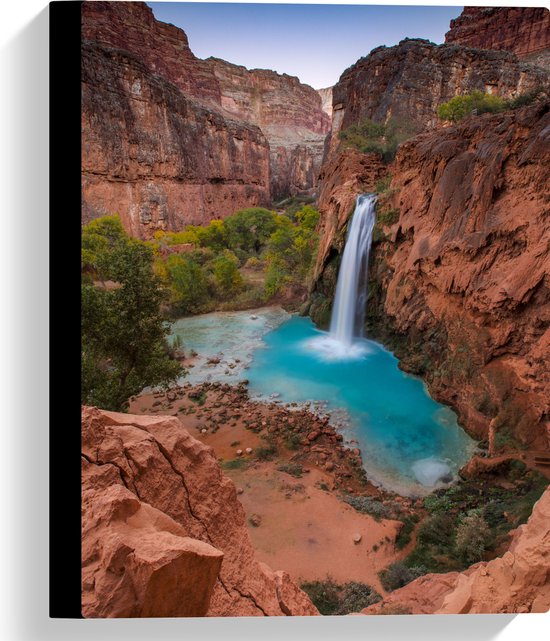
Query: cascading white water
(348,313)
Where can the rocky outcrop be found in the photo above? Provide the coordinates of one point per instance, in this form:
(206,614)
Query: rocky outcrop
(407,83)
(162,48)
(169,139)
(290,115)
(518,581)
(163,533)
(156,157)
(460,287)
(326,100)
(523,30)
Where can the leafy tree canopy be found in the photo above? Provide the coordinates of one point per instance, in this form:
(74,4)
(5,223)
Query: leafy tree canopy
(123,333)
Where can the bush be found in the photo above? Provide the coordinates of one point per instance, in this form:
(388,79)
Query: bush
(527,98)
(472,537)
(294,469)
(383,139)
(331,598)
(404,536)
(266,453)
(397,575)
(475,102)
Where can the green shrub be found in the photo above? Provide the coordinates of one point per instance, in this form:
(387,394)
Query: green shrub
(475,102)
(294,469)
(404,536)
(383,139)
(235,464)
(397,575)
(472,537)
(331,598)
(266,453)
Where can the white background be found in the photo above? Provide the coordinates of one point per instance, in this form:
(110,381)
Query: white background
(24,397)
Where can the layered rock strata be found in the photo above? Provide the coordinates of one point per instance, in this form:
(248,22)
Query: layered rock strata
(518,581)
(163,533)
(406,83)
(290,115)
(169,139)
(523,30)
(156,157)
(460,279)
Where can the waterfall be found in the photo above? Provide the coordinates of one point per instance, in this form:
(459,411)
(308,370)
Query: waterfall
(348,313)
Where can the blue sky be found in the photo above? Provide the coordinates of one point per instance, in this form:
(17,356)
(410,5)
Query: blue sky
(314,42)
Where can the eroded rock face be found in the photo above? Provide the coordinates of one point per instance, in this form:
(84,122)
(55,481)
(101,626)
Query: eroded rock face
(156,157)
(516,582)
(169,139)
(163,531)
(290,115)
(326,98)
(523,30)
(163,48)
(409,81)
(460,284)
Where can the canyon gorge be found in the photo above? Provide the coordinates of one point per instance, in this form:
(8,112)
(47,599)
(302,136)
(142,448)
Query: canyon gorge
(458,289)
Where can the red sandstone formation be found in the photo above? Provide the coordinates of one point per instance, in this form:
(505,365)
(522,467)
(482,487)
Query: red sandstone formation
(326,99)
(169,139)
(158,158)
(346,175)
(163,48)
(163,533)
(516,582)
(409,81)
(523,30)
(463,274)
(290,115)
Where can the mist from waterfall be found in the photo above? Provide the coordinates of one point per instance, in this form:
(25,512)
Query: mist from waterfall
(348,313)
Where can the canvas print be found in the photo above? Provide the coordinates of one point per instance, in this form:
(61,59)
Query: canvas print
(315,310)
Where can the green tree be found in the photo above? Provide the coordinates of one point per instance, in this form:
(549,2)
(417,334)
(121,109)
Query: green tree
(188,283)
(250,229)
(124,345)
(227,277)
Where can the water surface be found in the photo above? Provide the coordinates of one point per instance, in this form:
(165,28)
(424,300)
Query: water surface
(409,443)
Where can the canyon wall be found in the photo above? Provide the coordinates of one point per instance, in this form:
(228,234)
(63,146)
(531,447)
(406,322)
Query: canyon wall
(169,139)
(523,30)
(515,582)
(290,115)
(326,100)
(459,284)
(156,157)
(406,83)
(163,533)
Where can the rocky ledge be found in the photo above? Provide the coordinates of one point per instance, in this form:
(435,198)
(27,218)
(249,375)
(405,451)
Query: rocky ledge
(163,533)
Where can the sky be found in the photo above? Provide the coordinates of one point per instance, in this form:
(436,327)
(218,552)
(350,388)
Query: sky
(314,42)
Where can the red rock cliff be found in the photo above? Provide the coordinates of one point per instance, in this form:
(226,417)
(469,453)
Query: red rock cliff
(289,113)
(409,81)
(156,157)
(163,533)
(463,275)
(169,139)
(523,30)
